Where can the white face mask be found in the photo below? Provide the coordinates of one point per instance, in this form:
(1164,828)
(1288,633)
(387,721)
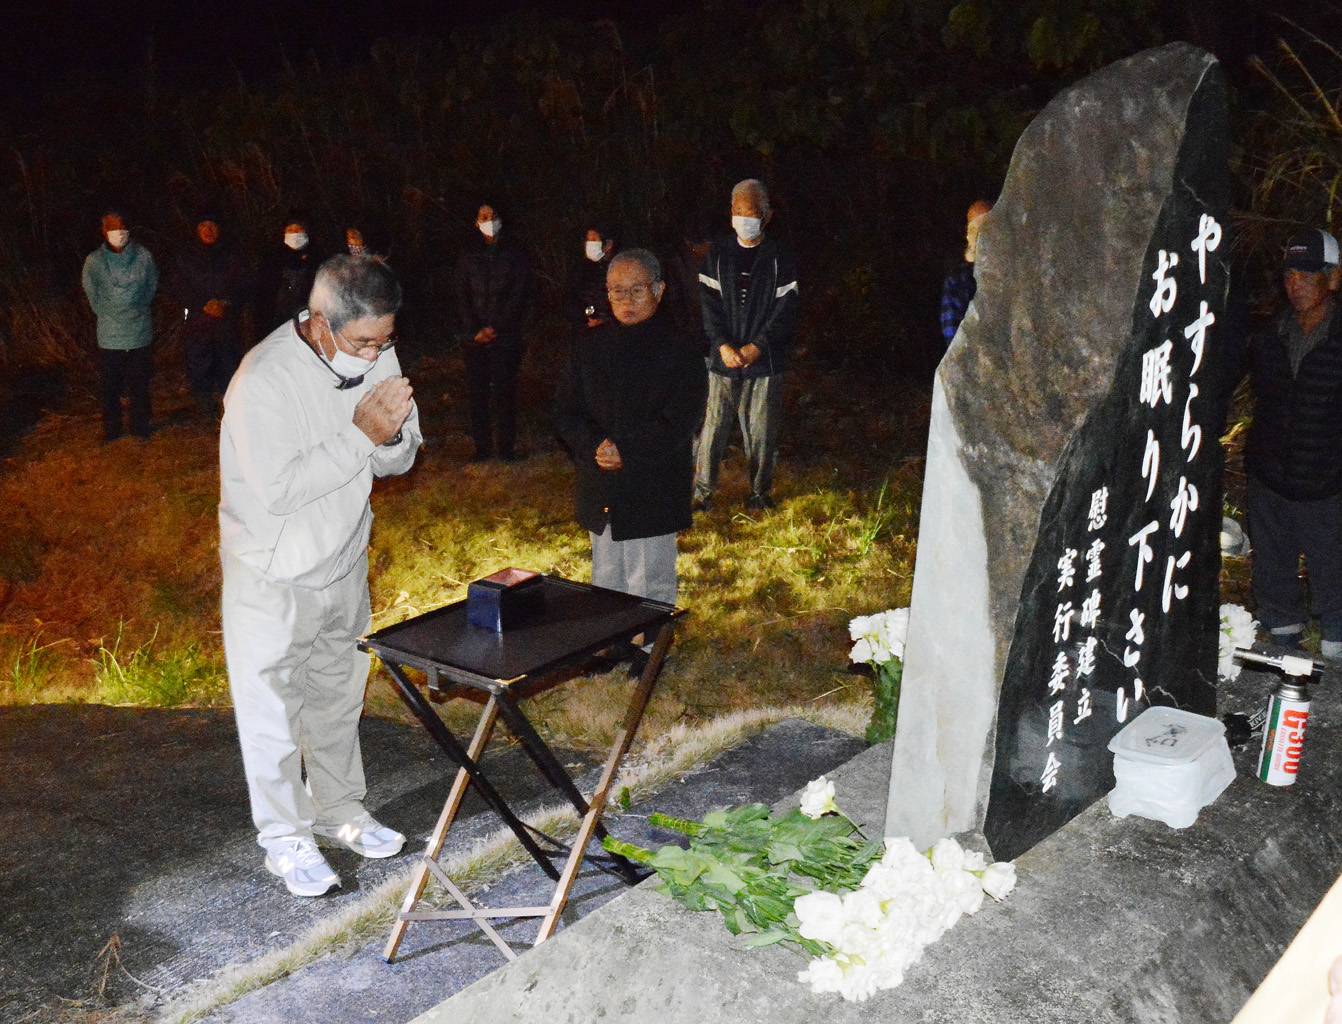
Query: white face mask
(490,228)
(349,366)
(595,250)
(295,240)
(747,228)
(118,239)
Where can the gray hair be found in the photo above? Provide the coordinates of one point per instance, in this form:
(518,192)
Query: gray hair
(643,258)
(754,190)
(349,288)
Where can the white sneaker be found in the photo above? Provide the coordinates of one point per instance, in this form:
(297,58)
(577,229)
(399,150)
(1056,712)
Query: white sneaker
(297,860)
(365,835)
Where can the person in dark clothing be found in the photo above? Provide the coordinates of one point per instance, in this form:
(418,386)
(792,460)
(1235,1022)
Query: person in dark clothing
(211,288)
(491,286)
(286,277)
(1294,451)
(682,286)
(588,307)
(626,411)
(960,286)
(748,292)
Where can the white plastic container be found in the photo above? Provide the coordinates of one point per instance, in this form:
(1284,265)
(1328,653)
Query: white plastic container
(1168,765)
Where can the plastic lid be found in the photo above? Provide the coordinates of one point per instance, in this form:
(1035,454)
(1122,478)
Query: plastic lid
(1167,736)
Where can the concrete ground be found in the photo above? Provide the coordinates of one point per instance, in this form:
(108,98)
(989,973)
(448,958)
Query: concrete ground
(131,828)
(1114,921)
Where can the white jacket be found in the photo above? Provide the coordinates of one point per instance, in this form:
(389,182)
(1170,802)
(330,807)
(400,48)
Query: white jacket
(294,471)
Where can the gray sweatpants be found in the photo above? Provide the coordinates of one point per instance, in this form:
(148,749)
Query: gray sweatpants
(645,567)
(298,681)
(757,404)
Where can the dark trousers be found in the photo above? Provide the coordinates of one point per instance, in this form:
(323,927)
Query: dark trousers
(125,372)
(1281,531)
(756,403)
(212,355)
(491,378)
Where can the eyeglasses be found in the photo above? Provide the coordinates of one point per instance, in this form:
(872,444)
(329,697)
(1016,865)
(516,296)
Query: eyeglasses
(360,345)
(637,292)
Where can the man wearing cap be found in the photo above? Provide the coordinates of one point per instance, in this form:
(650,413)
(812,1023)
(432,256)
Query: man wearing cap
(1294,453)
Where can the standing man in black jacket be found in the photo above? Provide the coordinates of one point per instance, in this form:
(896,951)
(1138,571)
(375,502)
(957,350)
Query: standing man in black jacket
(748,289)
(1294,454)
(212,286)
(627,411)
(491,286)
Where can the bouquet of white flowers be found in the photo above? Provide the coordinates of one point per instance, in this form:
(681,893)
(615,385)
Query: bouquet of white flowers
(808,878)
(879,642)
(1239,629)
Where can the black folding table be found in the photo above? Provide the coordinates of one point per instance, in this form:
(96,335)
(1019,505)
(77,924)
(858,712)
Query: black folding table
(577,621)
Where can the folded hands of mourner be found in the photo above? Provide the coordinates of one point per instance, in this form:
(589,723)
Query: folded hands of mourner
(381,412)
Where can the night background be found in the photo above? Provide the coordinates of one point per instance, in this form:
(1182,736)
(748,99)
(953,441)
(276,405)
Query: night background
(874,123)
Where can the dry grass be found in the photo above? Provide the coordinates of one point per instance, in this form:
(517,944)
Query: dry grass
(112,577)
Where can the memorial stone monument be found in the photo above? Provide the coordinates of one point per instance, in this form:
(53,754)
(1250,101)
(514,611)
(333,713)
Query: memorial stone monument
(1068,556)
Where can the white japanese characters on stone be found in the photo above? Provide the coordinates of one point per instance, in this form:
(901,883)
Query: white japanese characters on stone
(1156,385)
(1196,333)
(1171,588)
(1151,463)
(1208,238)
(1190,438)
(1093,568)
(1185,501)
(1144,552)
(1166,288)
(1066,569)
(1062,622)
(1099,508)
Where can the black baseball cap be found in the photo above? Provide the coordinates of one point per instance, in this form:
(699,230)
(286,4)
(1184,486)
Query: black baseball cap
(1312,251)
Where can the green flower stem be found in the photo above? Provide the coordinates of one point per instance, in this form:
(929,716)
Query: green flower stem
(626,850)
(685,828)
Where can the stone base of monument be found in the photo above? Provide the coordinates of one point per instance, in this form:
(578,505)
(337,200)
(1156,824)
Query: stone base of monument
(1113,920)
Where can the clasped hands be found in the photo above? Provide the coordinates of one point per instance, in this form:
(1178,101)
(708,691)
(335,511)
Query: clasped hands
(608,456)
(738,359)
(381,412)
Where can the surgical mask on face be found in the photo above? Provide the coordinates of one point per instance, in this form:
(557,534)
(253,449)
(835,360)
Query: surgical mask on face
(595,250)
(295,240)
(349,366)
(747,228)
(118,239)
(490,228)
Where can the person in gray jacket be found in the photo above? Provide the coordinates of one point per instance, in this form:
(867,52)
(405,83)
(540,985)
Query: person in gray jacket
(120,280)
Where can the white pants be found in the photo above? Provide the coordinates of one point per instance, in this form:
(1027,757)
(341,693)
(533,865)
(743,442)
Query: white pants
(298,682)
(645,567)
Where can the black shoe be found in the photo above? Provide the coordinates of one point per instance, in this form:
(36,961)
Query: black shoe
(760,503)
(481,456)
(701,504)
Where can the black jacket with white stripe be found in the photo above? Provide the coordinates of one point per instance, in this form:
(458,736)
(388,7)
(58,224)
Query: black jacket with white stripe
(768,316)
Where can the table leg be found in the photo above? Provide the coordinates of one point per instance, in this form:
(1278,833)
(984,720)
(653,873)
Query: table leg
(483,730)
(591,821)
(444,738)
(540,753)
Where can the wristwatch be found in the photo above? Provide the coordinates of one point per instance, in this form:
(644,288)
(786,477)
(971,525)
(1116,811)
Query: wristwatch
(393,442)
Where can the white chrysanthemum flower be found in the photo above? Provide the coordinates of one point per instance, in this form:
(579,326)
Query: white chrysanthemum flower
(817,799)
(1239,629)
(999,879)
(820,916)
(947,855)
